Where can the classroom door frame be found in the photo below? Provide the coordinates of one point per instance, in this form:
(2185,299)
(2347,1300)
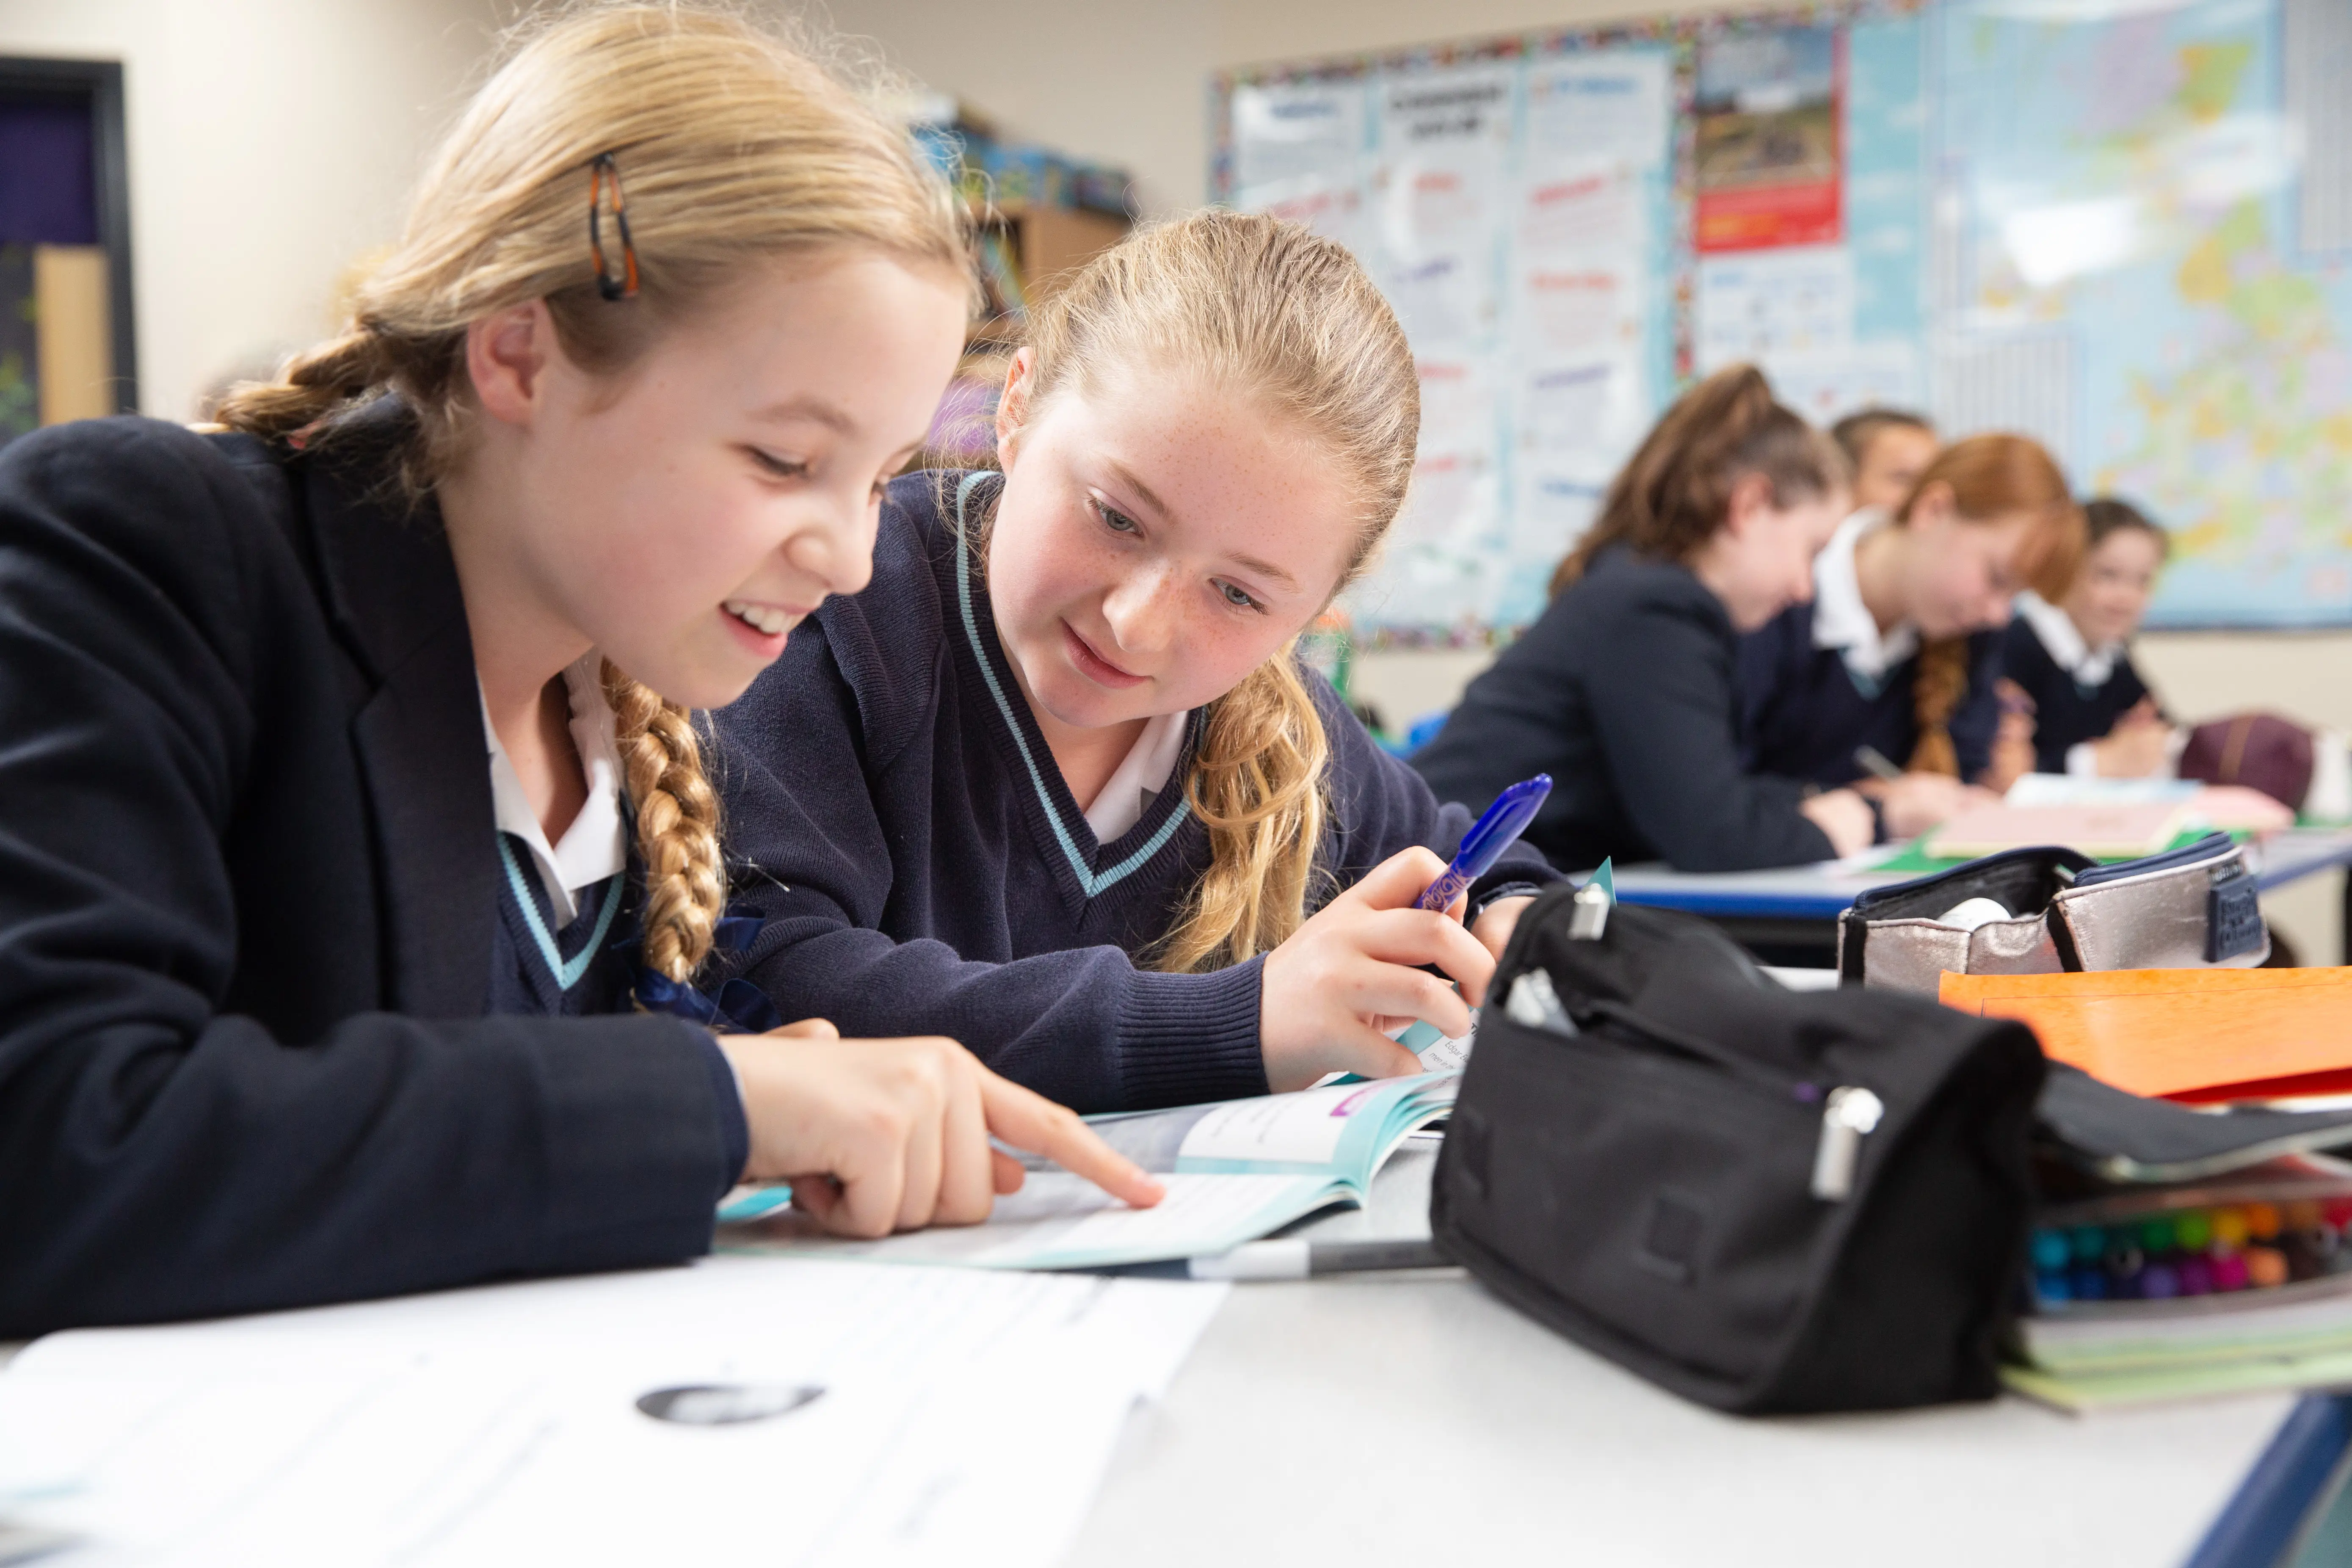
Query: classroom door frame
(100,84)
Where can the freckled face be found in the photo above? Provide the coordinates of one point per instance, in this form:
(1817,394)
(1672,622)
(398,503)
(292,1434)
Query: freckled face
(1156,540)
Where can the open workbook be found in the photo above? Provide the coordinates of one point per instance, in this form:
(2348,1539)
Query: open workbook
(1234,1171)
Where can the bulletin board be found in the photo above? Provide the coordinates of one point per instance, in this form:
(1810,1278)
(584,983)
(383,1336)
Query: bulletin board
(2122,229)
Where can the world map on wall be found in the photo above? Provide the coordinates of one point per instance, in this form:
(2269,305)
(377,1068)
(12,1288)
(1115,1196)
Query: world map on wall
(2118,226)
(2133,180)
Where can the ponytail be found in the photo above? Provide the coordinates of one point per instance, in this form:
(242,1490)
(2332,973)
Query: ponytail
(313,385)
(677,825)
(1257,787)
(1941,680)
(1675,490)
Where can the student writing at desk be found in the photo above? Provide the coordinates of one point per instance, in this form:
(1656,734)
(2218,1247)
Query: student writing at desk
(1057,780)
(1898,654)
(331,818)
(2094,716)
(1623,690)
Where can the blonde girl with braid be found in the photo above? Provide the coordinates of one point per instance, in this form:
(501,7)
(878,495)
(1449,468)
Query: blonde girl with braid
(1898,658)
(1058,779)
(359,860)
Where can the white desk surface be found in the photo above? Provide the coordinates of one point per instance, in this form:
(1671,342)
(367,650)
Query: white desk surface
(1415,1419)
(1412,1418)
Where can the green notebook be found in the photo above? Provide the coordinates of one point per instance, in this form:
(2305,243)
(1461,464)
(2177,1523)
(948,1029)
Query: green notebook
(1915,860)
(1235,1171)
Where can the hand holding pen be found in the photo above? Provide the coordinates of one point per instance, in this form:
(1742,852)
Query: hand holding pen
(1361,964)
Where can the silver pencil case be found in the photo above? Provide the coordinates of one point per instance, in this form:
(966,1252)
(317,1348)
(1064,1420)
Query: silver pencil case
(2196,907)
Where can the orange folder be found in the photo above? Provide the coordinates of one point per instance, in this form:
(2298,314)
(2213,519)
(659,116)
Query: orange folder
(2190,1034)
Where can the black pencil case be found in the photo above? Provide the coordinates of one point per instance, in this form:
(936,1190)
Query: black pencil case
(1764,1200)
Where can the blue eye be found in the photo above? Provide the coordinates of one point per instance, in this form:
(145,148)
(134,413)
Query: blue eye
(1234,597)
(1118,522)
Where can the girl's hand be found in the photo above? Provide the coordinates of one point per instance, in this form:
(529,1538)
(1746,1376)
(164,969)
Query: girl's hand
(1495,924)
(883,1135)
(1844,817)
(2140,744)
(1918,802)
(1353,969)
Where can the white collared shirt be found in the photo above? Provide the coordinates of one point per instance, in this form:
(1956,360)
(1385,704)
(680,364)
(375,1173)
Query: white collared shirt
(1842,621)
(596,844)
(1140,777)
(2063,641)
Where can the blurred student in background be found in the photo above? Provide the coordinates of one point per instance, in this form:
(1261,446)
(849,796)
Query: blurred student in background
(1887,450)
(1893,666)
(1623,690)
(2094,716)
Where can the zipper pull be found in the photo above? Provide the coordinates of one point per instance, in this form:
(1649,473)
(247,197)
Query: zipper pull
(1847,1116)
(1534,1003)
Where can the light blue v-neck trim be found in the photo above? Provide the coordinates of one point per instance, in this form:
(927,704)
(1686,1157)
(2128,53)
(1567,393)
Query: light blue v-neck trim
(567,974)
(1091,881)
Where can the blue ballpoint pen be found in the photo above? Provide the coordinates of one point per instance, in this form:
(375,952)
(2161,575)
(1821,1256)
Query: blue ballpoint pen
(1487,838)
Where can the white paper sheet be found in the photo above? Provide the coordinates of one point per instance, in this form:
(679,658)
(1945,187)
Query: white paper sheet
(1613,106)
(1766,305)
(963,1415)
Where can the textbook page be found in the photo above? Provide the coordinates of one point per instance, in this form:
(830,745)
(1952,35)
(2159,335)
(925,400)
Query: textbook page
(739,1410)
(1060,1221)
(1234,1171)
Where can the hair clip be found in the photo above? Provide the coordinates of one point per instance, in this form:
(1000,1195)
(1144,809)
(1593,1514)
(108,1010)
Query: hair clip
(604,169)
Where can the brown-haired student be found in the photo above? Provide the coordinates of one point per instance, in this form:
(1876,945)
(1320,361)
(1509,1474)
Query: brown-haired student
(1623,688)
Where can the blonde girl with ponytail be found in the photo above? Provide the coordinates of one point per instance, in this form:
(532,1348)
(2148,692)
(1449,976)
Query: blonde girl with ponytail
(1900,652)
(1058,779)
(350,748)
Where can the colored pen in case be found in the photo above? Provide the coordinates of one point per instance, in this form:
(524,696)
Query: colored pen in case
(1487,838)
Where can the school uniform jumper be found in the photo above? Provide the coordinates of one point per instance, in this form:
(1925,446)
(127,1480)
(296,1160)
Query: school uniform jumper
(1817,681)
(252,961)
(923,868)
(1622,690)
(2078,691)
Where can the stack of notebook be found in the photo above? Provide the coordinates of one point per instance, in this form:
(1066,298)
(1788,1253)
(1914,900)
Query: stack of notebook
(2182,1292)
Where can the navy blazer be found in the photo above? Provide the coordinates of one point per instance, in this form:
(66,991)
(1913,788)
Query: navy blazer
(1804,715)
(247,892)
(1622,691)
(2065,712)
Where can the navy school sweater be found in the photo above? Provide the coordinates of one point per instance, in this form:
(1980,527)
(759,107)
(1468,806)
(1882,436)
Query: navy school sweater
(894,812)
(2065,711)
(1805,713)
(1622,690)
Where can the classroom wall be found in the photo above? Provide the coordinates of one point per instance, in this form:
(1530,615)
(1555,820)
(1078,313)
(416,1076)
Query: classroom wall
(1128,80)
(270,142)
